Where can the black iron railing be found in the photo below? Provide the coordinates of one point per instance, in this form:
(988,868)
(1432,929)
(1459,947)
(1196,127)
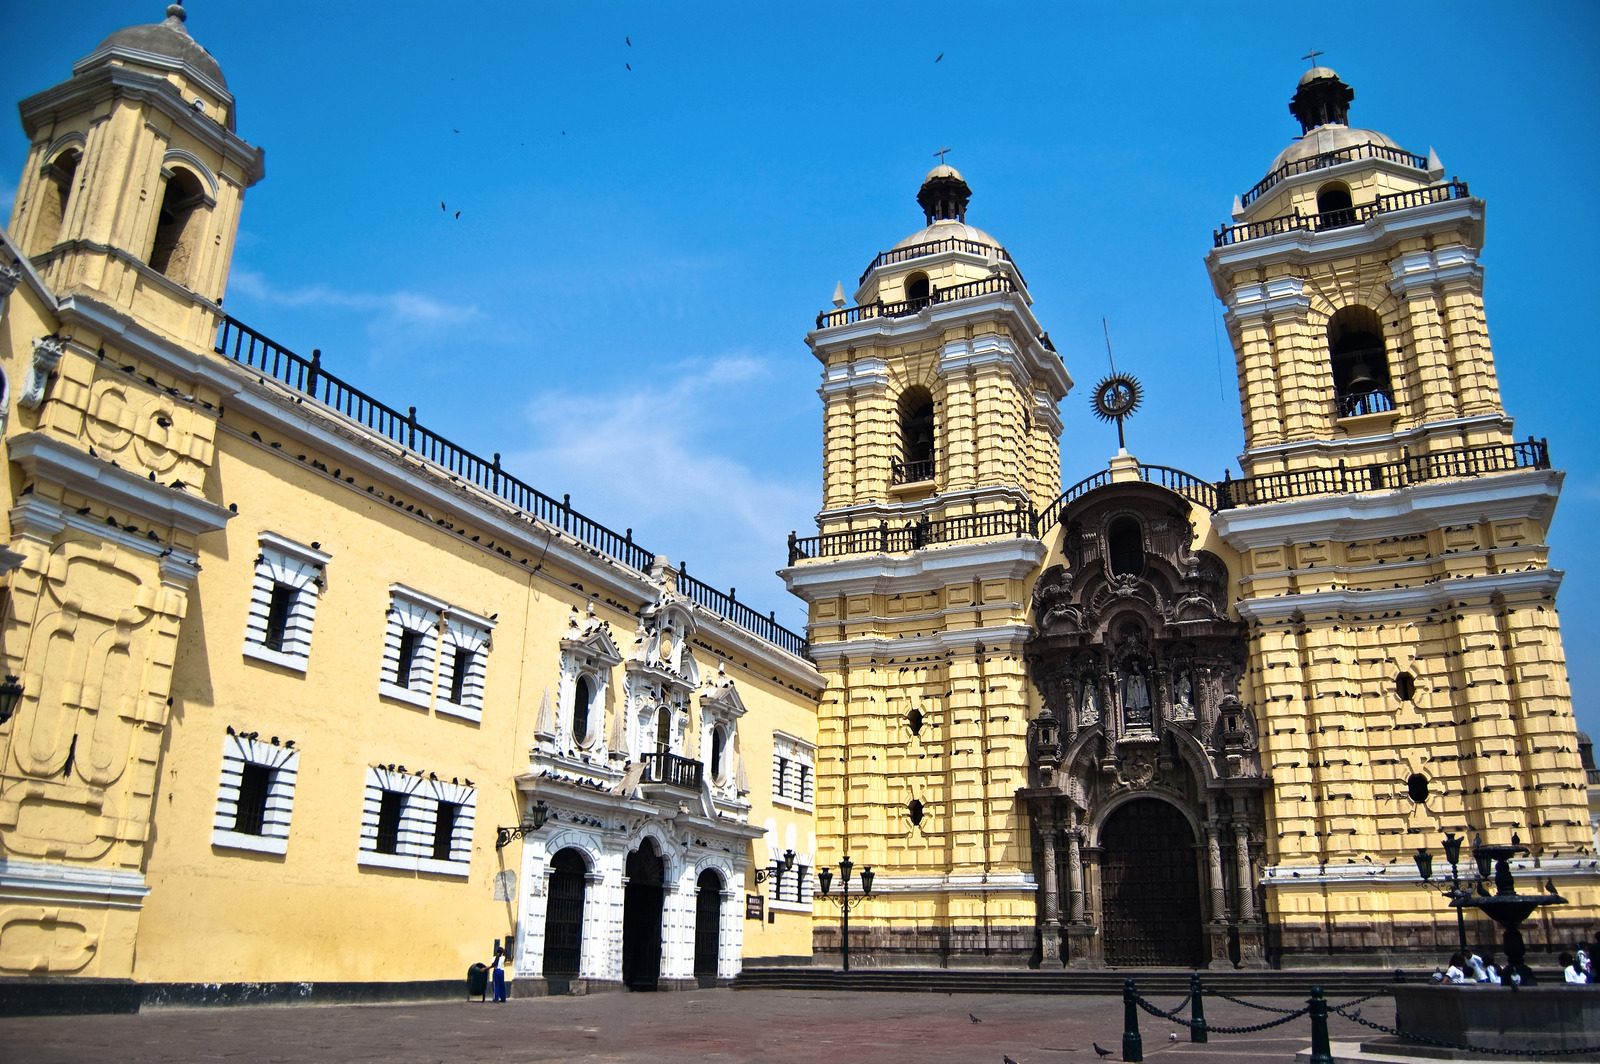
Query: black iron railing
(244,345)
(672,770)
(985,286)
(1377,401)
(1213,495)
(1385,476)
(910,472)
(936,247)
(1186,484)
(1334,158)
(1344,216)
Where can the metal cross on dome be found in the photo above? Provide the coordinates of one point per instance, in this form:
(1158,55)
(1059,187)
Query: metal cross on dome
(1311,56)
(941,153)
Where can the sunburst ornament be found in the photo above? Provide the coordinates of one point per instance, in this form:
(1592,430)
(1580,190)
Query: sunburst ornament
(1116,397)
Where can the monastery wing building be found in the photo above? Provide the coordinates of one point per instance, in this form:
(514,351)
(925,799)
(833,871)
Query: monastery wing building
(302,701)
(301,693)
(1162,720)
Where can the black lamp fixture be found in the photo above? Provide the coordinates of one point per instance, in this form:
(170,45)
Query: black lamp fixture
(534,819)
(10,696)
(778,869)
(825,880)
(1452,854)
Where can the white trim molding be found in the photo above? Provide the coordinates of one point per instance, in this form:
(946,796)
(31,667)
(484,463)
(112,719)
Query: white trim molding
(283,767)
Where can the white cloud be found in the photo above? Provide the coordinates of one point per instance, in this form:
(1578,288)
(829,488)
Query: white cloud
(399,308)
(655,455)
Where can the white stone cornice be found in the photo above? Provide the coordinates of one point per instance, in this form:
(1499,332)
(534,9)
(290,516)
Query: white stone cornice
(1450,268)
(48,459)
(1404,871)
(922,570)
(1513,586)
(1281,295)
(1003,883)
(44,519)
(851,378)
(1047,413)
(1304,247)
(845,651)
(1528,493)
(50,883)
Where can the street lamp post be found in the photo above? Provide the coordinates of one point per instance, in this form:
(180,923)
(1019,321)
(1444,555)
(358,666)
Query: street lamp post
(825,879)
(1452,854)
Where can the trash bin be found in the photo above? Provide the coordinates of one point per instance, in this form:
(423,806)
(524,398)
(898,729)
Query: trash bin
(478,981)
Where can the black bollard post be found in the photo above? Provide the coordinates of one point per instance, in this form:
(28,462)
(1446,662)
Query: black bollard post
(1197,1009)
(1132,1046)
(1321,1052)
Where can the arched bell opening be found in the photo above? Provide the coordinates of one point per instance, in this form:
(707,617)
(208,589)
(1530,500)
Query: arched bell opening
(1360,363)
(916,461)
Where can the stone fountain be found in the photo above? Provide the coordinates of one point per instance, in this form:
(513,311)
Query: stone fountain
(1556,1022)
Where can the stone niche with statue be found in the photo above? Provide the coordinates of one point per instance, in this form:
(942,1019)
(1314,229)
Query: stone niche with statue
(1145,785)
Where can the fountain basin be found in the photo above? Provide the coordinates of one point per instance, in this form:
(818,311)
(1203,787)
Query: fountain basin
(1559,1018)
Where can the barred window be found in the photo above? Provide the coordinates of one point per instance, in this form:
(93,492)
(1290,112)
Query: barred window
(410,643)
(283,601)
(793,772)
(463,663)
(255,796)
(416,823)
(794,886)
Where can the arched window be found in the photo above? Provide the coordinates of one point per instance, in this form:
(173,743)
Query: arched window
(177,240)
(582,697)
(1125,549)
(1334,207)
(1360,363)
(917,288)
(663,730)
(54,193)
(916,437)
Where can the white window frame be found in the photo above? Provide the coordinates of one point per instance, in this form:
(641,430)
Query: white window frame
(283,561)
(238,751)
(794,772)
(410,611)
(470,632)
(419,815)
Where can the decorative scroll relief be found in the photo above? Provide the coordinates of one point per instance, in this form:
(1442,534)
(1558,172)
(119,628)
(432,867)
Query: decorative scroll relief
(47,352)
(38,941)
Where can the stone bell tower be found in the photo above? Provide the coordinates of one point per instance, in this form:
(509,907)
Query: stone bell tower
(1404,653)
(135,179)
(122,233)
(940,442)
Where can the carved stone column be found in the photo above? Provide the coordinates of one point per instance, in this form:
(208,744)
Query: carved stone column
(1247,897)
(1074,877)
(1219,894)
(1050,927)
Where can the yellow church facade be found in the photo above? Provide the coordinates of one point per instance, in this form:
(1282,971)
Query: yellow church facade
(305,693)
(298,693)
(1162,720)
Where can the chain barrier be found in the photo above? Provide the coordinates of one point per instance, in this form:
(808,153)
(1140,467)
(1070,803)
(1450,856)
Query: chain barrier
(1163,1014)
(1424,1039)
(1253,1028)
(1139,999)
(1248,1004)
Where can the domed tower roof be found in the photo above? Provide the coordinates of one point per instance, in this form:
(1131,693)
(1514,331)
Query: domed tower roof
(170,40)
(943,198)
(1321,103)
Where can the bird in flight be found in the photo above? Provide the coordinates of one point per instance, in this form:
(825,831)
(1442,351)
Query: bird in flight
(938,57)
(628,41)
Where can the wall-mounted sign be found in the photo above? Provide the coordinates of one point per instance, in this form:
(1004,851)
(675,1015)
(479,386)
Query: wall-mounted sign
(754,905)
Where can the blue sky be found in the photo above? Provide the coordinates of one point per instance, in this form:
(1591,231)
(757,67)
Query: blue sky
(621,306)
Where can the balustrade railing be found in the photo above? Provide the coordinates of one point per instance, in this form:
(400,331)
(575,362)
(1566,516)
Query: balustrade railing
(1385,476)
(910,472)
(1342,217)
(849,315)
(242,344)
(1334,158)
(935,247)
(1359,404)
(672,770)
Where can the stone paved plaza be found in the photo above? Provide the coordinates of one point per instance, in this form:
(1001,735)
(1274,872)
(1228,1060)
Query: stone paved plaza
(705,1027)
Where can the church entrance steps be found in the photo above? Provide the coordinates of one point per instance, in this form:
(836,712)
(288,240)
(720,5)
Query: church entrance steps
(1155,983)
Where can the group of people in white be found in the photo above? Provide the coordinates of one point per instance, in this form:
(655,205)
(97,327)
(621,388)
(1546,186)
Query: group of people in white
(1472,968)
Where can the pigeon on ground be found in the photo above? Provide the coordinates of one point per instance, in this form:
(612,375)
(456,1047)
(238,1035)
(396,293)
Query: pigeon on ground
(1102,1052)
(973,1018)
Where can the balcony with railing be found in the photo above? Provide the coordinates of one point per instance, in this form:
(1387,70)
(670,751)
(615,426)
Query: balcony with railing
(1341,218)
(866,311)
(910,472)
(1225,494)
(671,770)
(1353,153)
(939,247)
(245,346)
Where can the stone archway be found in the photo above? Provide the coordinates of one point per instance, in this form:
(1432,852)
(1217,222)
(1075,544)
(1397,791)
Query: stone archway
(641,917)
(707,927)
(563,919)
(1150,887)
